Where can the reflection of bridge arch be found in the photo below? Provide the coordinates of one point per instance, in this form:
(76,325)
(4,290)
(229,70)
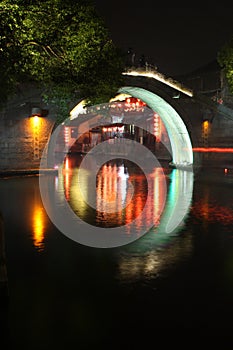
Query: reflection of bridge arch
(182,154)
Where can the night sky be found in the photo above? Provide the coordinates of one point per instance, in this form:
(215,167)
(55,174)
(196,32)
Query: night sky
(177,40)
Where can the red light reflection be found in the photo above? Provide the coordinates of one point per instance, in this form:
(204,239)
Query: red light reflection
(213,149)
(211,213)
(120,200)
(124,194)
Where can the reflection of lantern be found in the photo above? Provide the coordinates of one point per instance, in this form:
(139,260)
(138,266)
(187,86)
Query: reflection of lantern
(38,227)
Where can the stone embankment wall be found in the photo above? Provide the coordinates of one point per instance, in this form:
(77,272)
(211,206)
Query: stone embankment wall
(23,141)
(22,135)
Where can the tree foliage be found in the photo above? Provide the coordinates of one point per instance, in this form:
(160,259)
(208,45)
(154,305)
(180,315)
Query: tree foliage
(225,59)
(63,45)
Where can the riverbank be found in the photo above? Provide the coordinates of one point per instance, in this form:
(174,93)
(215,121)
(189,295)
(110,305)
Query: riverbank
(23,172)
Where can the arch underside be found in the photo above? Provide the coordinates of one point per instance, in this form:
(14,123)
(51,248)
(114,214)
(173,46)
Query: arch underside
(182,153)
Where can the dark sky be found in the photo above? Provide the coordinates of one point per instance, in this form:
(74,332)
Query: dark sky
(177,39)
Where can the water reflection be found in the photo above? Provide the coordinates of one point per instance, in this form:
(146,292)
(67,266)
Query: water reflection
(179,201)
(161,247)
(213,199)
(38,227)
(144,261)
(122,193)
(191,271)
(113,188)
(38,221)
(209,211)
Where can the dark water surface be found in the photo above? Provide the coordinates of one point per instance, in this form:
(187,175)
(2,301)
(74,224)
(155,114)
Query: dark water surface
(176,289)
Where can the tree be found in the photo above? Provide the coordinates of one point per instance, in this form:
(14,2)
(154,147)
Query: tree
(225,59)
(64,46)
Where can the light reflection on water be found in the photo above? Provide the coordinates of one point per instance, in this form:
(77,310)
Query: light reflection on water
(120,196)
(211,212)
(119,183)
(122,191)
(22,208)
(171,278)
(39,220)
(147,262)
(113,186)
(213,203)
(38,223)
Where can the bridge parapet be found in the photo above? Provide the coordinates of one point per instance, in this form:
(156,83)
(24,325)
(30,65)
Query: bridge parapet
(151,72)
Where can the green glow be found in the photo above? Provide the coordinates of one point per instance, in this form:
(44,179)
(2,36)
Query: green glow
(182,154)
(178,201)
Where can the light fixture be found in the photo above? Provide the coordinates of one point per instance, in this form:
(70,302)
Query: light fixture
(36,112)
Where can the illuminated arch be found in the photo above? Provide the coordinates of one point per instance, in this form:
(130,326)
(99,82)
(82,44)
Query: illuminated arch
(182,153)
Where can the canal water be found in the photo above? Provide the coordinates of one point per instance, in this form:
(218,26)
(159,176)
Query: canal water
(171,288)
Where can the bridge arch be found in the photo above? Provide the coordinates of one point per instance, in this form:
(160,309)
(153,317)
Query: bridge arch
(181,145)
(180,116)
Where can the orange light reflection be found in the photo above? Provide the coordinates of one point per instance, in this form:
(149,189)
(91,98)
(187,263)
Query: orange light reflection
(212,213)
(67,173)
(38,227)
(131,192)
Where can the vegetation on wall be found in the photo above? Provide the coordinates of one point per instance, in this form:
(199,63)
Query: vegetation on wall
(225,59)
(64,46)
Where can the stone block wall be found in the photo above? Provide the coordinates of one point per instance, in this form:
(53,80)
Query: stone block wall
(23,141)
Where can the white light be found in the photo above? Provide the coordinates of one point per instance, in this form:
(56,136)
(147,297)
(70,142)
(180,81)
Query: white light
(160,77)
(120,97)
(78,109)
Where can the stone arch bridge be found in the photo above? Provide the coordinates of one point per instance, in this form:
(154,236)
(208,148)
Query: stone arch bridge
(199,122)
